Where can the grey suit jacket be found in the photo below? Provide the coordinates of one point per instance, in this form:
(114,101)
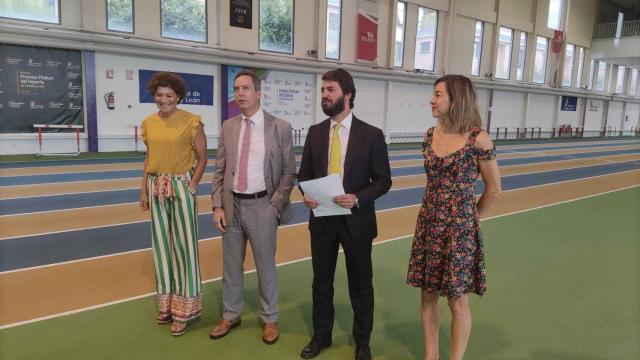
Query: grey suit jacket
(279,165)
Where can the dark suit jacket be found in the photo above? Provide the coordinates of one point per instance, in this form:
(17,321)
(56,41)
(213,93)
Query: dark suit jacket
(366,172)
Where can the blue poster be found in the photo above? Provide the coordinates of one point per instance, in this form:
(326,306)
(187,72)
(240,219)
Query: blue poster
(569,103)
(199,88)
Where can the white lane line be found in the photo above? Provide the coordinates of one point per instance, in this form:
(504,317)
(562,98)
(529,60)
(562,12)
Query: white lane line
(297,224)
(395,177)
(505,147)
(94,307)
(560,202)
(51,160)
(293,202)
(565,157)
(69,193)
(16,187)
(71,183)
(523,150)
(79,171)
(568,145)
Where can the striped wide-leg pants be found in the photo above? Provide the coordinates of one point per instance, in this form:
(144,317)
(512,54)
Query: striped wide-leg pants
(174,236)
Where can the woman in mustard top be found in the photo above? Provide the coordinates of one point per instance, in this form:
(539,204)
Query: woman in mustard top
(176,159)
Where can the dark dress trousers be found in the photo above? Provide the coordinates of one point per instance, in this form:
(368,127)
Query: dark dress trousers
(367,175)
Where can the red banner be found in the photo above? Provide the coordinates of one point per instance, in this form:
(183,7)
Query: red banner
(556,44)
(367,41)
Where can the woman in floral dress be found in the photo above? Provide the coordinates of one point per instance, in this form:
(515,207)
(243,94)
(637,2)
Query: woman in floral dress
(447,257)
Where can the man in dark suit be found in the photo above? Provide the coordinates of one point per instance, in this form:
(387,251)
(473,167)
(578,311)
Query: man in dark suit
(255,170)
(357,151)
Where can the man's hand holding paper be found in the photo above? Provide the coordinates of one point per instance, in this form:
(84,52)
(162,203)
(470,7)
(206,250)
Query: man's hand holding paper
(321,193)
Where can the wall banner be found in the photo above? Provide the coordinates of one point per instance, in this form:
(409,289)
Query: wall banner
(240,13)
(557,42)
(199,88)
(39,86)
(569,103)
(286,95)
(367,34)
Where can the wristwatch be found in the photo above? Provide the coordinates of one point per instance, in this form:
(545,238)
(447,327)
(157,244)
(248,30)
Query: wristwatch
(357,202)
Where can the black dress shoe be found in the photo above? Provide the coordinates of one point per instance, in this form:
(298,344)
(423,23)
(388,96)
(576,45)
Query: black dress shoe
(313,348)
(363,352)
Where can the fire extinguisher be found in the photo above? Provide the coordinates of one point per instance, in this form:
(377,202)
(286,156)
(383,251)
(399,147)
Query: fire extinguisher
(110,99)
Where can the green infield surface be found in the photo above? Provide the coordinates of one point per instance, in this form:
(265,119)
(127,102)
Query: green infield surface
(563,283)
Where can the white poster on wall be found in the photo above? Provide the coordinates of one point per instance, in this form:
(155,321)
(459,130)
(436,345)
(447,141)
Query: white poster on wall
(289,96)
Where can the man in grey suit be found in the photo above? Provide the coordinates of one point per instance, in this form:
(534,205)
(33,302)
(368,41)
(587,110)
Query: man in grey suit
(255,170)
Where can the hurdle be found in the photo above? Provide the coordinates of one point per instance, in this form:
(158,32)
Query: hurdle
(39,127)
(297,136)
(137,130)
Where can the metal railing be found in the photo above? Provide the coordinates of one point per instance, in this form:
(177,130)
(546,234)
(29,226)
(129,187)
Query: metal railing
(614,131)
(406,137)
(608,30)
(519,133)
(563,131)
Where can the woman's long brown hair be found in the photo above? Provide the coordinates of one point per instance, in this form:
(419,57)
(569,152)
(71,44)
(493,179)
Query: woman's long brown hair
(463,114)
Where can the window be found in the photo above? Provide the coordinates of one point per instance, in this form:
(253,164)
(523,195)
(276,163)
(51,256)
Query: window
(555,14)
(540,60)
(602,73)
(620,80)
(399,43)
(184,19)
(276,25)
(567,75)
(591,72)
(580,66)
(503,60)
(522,51)
(633,82)
(44,10)
(619,25)
(477,48)
(120,15)
(427,26)
(425,47)
(332,45)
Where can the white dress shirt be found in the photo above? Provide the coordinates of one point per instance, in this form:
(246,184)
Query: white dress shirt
(255,169)
(344,139)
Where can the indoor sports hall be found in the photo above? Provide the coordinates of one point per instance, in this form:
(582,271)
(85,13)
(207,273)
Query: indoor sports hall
(557,92)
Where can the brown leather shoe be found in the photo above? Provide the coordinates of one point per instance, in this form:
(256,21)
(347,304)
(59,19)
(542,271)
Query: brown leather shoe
(270,333)
(223,328)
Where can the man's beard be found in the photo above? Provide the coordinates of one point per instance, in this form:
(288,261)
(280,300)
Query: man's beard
(335,109)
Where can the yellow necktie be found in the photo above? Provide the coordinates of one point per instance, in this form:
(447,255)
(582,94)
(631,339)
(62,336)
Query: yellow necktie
(335,154)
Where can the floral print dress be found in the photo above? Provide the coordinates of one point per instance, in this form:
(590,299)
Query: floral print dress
(447,254)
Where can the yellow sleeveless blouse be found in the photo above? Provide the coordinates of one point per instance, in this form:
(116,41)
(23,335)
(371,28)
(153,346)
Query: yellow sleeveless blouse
(170,142)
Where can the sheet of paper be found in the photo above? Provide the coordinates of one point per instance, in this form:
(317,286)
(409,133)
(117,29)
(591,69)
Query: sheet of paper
(323,190)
